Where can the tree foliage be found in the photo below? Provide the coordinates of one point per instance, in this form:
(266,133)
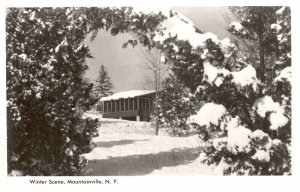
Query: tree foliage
(246,121)
(103,86)
(46,93)
(258,110)
(259,32)
(175,105)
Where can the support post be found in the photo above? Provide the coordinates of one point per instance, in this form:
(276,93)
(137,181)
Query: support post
(124,105)
(133,104)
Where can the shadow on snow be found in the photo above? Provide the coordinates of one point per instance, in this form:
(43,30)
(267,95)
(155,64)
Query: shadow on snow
(108,144)
(141,164)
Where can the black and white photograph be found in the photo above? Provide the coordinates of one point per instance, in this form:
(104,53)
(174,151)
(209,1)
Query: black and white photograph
(110,91)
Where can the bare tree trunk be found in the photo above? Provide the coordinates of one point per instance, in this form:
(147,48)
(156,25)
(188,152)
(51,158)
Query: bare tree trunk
(261,51)
(159,70)
(157,128)
(261,48)
(156,97)
(262,61)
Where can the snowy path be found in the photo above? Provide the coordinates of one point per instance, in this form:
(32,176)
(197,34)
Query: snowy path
(124,154)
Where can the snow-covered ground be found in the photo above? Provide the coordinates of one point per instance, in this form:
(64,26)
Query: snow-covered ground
(130,148)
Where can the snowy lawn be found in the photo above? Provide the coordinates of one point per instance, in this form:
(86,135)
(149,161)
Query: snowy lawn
(130,148)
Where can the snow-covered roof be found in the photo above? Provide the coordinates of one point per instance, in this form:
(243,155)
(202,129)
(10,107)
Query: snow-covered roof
(127,94)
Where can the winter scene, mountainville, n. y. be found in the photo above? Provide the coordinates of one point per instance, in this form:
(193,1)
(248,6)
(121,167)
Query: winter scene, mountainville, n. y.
(134,91)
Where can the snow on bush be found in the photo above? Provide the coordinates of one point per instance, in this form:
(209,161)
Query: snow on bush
(227,47)
(276,142)
(177,25)
(259,134)
(237,26)
(209,114)
(277,120)
(220,143)
(247,112)
(266,104)
(183,30)
(202,157)
(219,81)
(277,117)
(239,139)
(276,27)
(16,173)
(222,166)
(261,155)
(246,76)
(238,29)
(211,74)
(285,75)
(229,123)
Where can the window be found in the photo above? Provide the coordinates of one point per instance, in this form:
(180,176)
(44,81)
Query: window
(109,106)
(117,105)
(113,106)
(122,105)
(147,104)
(131,104)
(126,104)
(105,106)
(134,104)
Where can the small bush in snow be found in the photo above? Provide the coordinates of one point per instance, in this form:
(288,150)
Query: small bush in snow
(175,106)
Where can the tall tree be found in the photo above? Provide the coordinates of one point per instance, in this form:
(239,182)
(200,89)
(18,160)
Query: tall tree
(155,63)
(103,86)
(252,132)
(46,93)
(255,28)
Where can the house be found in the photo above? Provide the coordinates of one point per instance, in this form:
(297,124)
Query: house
(134,105)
